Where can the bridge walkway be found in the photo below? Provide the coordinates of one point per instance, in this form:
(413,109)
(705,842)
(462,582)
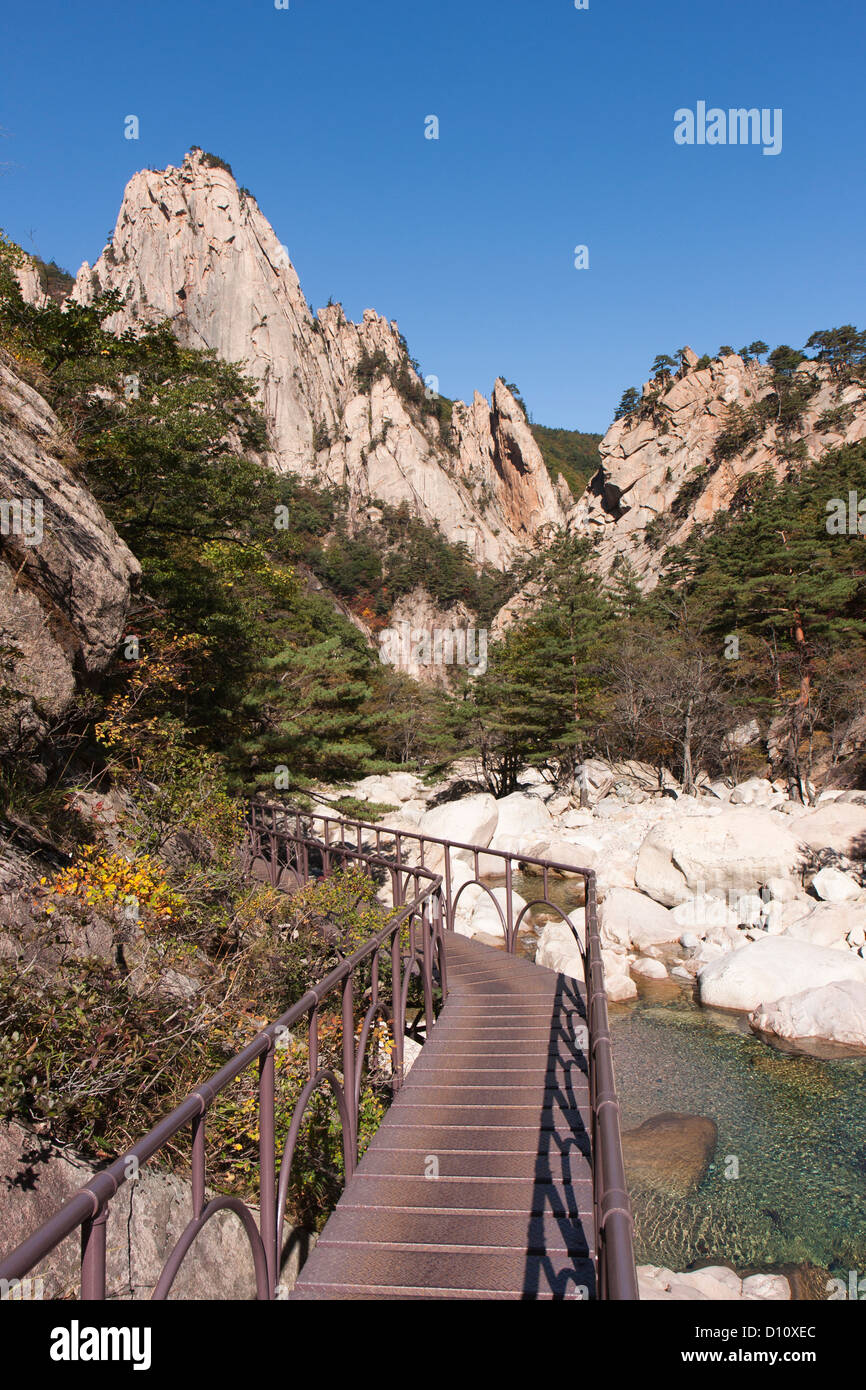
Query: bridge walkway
(478,1182)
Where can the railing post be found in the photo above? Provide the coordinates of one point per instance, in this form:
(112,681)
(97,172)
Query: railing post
(349,1070)
(93,1257)
(267,1166)
(427,965)
(398,1018)
(198,1164)
(510,942)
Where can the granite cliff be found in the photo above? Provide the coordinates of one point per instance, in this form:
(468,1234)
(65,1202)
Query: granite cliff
(66,577)
(344,402)
(681,456)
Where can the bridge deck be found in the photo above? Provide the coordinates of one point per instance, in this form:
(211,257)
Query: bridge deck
(498,1102)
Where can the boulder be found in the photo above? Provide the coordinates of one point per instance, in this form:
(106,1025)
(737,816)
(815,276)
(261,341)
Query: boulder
(558,950)
(470,821)
(649,968)
(490,914)
(828,924)
(734,849)
(620,988)
(715,1283)
(633,920)
(833,886)
(669,1152)
(560,851)
(834,1013)
(757,791)
(520,814)
(838,825)
(771,968)
(396,787)
(146,1219)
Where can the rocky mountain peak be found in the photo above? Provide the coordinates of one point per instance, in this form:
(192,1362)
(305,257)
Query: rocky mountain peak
(343,401)
(680,456)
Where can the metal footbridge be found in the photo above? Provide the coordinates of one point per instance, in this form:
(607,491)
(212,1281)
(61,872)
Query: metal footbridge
(497,1171)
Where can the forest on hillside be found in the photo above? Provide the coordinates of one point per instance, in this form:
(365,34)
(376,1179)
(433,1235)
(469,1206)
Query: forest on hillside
(243,662)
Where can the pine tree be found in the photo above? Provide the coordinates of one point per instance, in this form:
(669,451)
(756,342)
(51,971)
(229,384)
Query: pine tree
(311,717)
(773,571)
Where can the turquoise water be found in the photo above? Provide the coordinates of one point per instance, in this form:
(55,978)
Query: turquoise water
(796,1126)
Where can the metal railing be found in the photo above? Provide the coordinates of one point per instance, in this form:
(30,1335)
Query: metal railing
(287,848)
(269,821)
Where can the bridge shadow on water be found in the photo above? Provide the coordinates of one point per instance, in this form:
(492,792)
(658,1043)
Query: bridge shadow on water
(560,1235)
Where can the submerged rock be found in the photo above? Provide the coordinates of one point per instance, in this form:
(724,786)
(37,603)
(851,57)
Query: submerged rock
(669,1152)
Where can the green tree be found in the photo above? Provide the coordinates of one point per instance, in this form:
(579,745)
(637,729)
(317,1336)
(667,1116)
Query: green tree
(771,570)
(842,348)
(629,401)
(542,698)
(310,715)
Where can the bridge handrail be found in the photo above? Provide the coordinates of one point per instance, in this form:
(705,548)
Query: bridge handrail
(617,1276)
(88,1207)
(432,907)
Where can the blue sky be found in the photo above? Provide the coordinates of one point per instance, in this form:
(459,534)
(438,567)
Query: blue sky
(556,129)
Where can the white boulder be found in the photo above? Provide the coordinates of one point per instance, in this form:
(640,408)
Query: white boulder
(837,825)
(633,920)
(829,924)
(734,849)
(771,968)
(834,886)
(520,814)
(558,950)
(470,821)
(716,1283)
(395,787)
(757,791)
(618,982)
(490,913)
(833,1013)
(649,968)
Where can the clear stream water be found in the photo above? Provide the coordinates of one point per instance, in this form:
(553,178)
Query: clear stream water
(795,1124)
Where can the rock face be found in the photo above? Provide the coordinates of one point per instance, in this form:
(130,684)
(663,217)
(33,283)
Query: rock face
(658,462)
(191,247)
(30,284)
(66,578)
(145,1220)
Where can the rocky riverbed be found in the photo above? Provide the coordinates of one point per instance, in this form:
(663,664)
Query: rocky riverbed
(734,934)
(757,899)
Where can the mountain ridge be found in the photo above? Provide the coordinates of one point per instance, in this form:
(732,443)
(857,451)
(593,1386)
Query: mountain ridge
(344,402)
